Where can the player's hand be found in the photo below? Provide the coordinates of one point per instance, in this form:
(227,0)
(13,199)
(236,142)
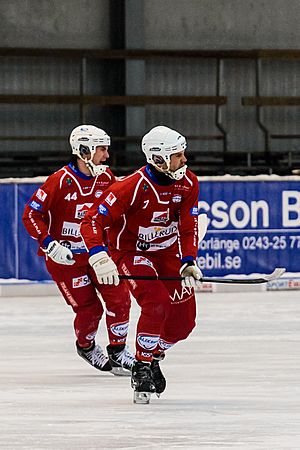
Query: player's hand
(105,268)
(59,254)
(191,273)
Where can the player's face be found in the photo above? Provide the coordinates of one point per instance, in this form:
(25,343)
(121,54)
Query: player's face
(101,155)
(178,160)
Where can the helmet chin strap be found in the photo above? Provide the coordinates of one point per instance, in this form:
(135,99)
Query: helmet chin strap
(95,169)
(177,174)
(174,174)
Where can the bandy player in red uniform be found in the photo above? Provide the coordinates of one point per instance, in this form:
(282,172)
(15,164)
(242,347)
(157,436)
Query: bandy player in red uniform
(152,222)
(52,216)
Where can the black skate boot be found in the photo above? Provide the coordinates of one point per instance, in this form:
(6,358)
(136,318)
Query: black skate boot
(157,376)
(121,360)
(142,383)
(95,356)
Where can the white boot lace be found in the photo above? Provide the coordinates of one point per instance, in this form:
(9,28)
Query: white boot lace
(125,358)
(97,356)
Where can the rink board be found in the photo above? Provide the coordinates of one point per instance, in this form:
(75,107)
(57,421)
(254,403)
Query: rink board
(254,226)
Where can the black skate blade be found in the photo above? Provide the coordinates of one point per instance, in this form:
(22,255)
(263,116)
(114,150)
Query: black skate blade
(141,398)
(120,372)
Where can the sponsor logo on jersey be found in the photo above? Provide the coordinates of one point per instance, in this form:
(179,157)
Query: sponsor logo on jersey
(98,194)
(176,198)
(101,183)
(81,210)
(146,355)
(80,281)
(68,294)
(146,246)
(126,271)
(194,211)
(120,329)
(143,246)
(142,260)
(102,210)
(160,216)
(70,229)
(41,195)
(164,345)
(149,234)
(147,341)
(35,205)
(181,187)
(110,199)
(182,295)
(74,246)
(91,336)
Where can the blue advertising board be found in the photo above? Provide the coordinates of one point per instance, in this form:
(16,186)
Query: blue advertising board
(8,231)
(254,226)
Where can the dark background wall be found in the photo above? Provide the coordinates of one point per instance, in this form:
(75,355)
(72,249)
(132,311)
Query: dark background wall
(222,24)
(34,132)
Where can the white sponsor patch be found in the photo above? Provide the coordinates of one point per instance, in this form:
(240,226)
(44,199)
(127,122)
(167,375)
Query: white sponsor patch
(98,194)
(147,341)
(157,246)
(80,281)
(120,329)
(142,260)
(110,199)
(177,198)
(41,195)
(164,344)
(81,210)
(91,336)
(160,216)
(70,229)
(149,234)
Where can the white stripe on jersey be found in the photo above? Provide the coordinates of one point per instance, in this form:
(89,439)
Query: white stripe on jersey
(135,191)
(119,235)
(154,190)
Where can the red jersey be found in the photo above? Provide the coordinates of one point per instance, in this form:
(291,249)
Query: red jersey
(144,216)
(55,210)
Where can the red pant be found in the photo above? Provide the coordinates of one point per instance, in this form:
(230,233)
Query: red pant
(78,285)
(168,310)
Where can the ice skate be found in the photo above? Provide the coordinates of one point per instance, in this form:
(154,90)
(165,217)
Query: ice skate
(95,357)
(158,377)
(121,360)
(142,382)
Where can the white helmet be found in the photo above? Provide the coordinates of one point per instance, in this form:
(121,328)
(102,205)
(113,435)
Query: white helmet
(84,140)
(159,144)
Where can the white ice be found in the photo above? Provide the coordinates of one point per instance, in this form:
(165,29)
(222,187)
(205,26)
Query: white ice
(233,384)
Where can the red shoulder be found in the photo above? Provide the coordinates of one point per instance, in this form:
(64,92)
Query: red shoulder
(190,175)
(128,182)
(55,178)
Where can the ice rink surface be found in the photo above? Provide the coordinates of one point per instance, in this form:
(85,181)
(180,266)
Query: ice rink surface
(234,384)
